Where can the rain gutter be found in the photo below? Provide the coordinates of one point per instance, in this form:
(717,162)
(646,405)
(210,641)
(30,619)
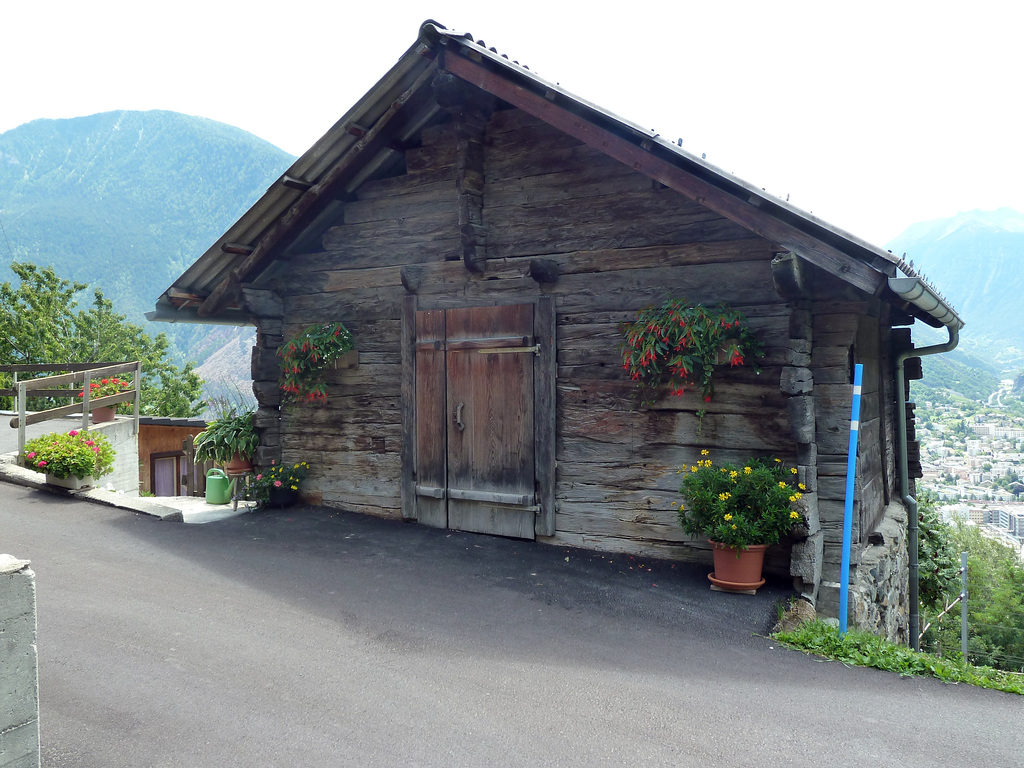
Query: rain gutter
(915,291)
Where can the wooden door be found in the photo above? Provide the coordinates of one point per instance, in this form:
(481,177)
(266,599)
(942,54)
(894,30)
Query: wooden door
(475,419)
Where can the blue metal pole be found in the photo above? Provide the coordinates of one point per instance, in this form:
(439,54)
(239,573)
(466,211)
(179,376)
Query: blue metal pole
(851,475)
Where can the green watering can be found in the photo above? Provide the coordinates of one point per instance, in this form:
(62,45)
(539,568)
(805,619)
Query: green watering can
(218,487)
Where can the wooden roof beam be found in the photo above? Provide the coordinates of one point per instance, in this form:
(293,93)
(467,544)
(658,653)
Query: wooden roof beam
(239,249)
(307,206)
(293,183)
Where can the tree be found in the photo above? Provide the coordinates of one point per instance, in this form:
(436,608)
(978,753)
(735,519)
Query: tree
(995,582)
(41,323)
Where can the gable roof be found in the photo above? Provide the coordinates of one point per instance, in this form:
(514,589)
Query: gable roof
(372,136)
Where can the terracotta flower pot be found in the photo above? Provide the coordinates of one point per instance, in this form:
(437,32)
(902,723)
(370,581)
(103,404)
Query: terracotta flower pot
(239,464)
(102,414)
(738,569)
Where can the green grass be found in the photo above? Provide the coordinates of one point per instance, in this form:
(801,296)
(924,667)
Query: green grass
(867,650)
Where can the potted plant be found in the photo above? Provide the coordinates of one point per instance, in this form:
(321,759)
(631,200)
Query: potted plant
(742,510)
(103,388)
(279,485)
(305,357)
(231,440)
(679,345)
(70,460)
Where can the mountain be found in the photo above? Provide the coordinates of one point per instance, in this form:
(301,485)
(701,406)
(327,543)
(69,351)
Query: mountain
(126,201)
(976,260)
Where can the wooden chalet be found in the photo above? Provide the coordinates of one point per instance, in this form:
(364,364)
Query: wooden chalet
(482,232)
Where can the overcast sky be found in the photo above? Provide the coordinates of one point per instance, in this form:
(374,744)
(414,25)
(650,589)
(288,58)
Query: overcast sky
(872,115)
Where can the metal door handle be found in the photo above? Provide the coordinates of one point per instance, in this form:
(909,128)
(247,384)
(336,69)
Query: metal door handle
(458,416)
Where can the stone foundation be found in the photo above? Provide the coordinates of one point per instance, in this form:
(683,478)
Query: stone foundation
(879,582)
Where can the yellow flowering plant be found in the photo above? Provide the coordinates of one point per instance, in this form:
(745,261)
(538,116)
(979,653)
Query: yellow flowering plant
(283,477)
(739,505)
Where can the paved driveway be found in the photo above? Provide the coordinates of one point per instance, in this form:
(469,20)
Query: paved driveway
(318,638)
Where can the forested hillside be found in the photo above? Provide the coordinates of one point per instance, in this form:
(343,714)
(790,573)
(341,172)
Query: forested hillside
(125,201)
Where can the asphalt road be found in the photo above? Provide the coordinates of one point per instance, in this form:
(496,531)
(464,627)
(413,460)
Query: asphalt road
(309,637)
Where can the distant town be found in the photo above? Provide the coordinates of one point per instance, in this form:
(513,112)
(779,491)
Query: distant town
(972,457)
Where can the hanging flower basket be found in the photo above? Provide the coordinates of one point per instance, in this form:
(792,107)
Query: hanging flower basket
(305,358)
(678,346)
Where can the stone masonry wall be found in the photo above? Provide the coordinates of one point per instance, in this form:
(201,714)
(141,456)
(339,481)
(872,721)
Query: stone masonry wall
(879,581)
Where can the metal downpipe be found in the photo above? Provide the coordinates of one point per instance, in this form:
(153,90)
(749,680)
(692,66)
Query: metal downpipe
(908,500)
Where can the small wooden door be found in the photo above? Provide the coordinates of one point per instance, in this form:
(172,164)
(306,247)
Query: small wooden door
(475,419)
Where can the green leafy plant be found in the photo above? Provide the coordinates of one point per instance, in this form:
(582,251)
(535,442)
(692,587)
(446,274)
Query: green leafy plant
(305,357)
(77,453)
(739,505)
(225,437)
(278,476)
(679,344)
(867,650)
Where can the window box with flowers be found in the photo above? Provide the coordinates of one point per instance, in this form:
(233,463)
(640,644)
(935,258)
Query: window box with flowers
(742,510)
(678,346)
(305,359)
(70,459)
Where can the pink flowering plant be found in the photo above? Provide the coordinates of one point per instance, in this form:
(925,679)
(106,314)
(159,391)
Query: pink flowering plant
(678,345)
(63,454)
(286,477)
(740,505)
(305,357)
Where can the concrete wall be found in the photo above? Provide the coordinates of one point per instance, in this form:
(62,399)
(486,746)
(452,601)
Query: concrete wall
(19,681)
(121,434)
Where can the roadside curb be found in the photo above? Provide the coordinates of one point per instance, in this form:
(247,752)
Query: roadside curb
(12,473)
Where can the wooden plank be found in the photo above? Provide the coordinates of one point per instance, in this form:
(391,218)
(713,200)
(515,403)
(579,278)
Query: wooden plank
(408,381)
(575,262)
(545,422)
(57,367)
(489,497)
(431,417)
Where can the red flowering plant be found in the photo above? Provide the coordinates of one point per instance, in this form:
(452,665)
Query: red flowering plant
(105,387)
(305,357)
(679,344)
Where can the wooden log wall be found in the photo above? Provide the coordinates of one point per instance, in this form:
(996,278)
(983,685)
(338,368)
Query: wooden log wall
(614,242)
(846,333)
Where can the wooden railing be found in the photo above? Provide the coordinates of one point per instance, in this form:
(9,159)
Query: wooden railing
(80,372)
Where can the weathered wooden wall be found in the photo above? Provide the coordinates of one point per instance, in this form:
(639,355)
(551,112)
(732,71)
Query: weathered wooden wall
(846,333)
(619,242)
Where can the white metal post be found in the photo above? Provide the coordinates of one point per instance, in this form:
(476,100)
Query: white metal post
(22,398)
(963,604)
(86,390)
(138,390)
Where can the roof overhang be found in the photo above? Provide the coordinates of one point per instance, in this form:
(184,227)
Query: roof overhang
(372,134)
